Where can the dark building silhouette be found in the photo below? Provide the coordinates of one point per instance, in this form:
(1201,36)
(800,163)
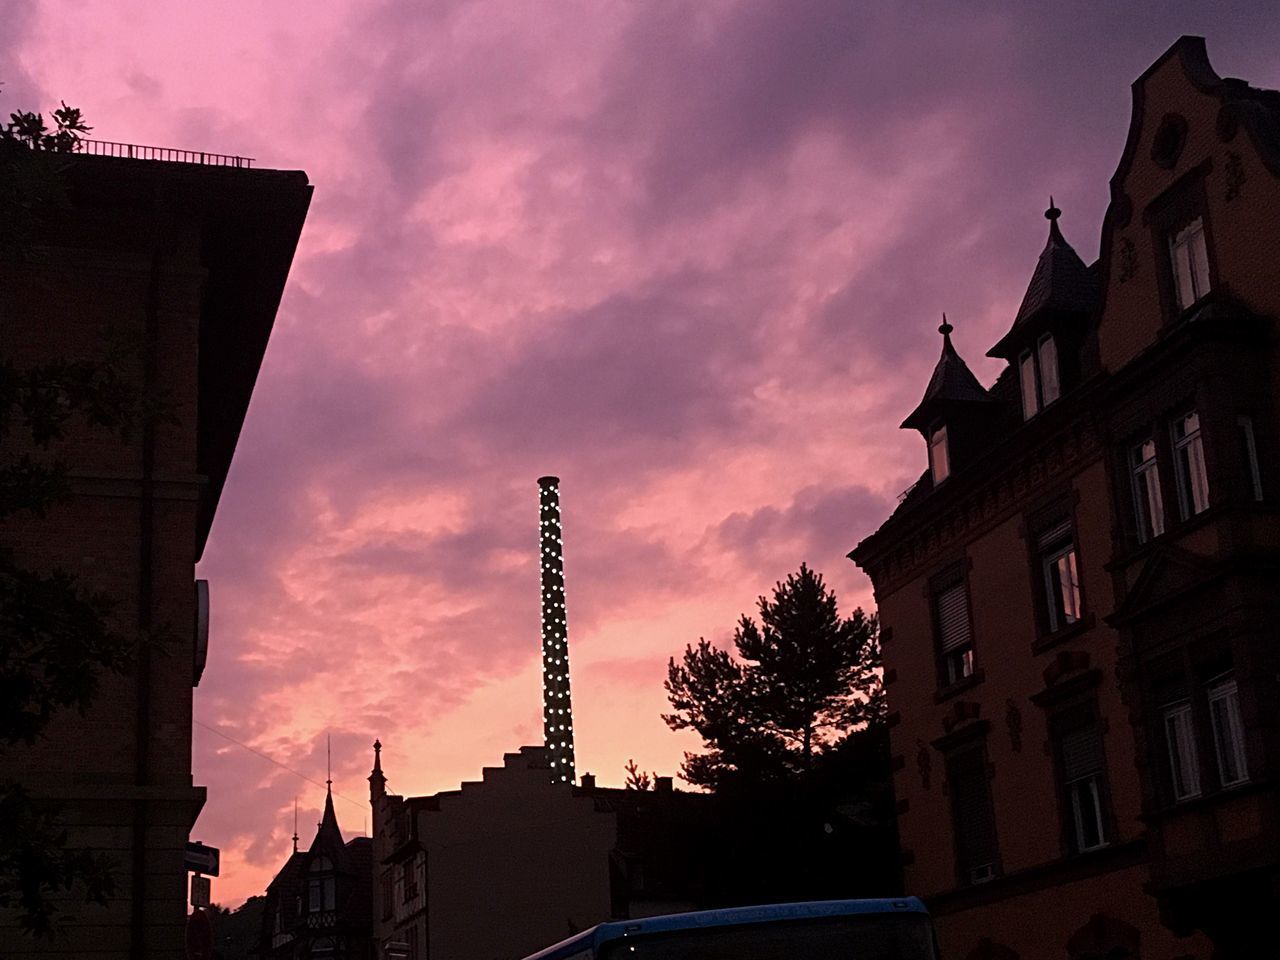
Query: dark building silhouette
(177,268)
(1078,597)
(319,904)
(516,861)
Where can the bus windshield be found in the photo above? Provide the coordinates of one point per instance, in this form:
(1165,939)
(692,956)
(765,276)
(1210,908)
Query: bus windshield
(865,937)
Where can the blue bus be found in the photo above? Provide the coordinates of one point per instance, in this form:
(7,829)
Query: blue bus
(819,930)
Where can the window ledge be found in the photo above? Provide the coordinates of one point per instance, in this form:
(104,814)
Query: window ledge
(1204,800)
(960,686)
(1175,531)
(1047,641)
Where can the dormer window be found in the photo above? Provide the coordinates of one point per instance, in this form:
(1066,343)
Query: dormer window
(1038,375)
(1190,258)
(1030,394)
(322,893)
(1049,386)
(939,464)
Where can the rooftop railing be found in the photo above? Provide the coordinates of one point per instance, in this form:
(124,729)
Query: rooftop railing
(138,151)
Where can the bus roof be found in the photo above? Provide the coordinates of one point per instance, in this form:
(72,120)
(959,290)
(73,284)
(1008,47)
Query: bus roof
(726,917)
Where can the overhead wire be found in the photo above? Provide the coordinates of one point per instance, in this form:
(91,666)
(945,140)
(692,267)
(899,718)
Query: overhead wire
(271,759)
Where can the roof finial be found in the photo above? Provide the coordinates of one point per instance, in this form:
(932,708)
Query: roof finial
(295,824)
(1053,213)
(328,761)
(945,328)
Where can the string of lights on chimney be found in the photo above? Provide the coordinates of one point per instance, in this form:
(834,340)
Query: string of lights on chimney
(557,706)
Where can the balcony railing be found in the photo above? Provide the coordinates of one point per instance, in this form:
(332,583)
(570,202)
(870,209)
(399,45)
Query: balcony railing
(138,151)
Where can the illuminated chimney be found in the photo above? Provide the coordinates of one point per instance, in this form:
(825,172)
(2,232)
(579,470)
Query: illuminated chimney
(557,708)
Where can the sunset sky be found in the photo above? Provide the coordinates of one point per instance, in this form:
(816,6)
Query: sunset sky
(688,256)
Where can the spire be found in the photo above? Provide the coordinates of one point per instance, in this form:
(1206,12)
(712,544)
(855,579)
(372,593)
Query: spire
(377,782)
(1060,284)
(952,383)
(1052,215)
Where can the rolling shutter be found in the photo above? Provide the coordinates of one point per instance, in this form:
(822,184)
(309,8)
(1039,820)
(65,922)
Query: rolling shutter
(953,618)
(1081,754)
(975,823)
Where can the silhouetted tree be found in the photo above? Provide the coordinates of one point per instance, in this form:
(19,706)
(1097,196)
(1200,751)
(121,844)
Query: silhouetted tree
(56,641)
(236,932)
(796,751)
(637,779)
(802,680)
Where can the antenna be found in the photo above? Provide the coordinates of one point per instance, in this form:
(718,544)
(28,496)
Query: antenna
(557,707)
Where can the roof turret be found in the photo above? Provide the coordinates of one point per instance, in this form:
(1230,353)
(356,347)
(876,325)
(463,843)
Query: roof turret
(952,383)
(1061,283)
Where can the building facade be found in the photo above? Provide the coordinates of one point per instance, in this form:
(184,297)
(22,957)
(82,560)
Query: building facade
(1076,598)
(318,906)
(174,272)
(494,870)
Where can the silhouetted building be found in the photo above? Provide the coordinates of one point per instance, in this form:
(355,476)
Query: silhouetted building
(1078,597)
(493,870)
(320,903)
(507,865)
(176,269)
(664,858)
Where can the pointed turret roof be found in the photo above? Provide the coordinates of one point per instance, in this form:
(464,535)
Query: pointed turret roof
(952,382)
(328,822)
(1061,283)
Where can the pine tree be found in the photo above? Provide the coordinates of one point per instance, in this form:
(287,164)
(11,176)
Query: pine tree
(803,680)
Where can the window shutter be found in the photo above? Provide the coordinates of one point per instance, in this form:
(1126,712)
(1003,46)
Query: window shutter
(1056,534)
(1081,754)
(953,618)
(975,824)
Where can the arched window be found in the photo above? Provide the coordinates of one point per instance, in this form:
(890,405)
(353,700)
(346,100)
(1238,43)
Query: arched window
(322,893)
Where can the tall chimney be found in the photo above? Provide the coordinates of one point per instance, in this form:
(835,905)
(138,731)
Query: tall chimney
(557,707)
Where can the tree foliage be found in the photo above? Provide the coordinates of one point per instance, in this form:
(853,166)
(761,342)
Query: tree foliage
(56,637)
(803,679)
(32,190)
(637,779)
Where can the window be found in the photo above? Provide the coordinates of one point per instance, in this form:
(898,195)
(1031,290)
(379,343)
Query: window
(955,640)
(1249,454)
(1038,376)
(1188,459)
(1184,767)
(388,906)
(1190,260)
(321,887)
(1081,764)
(1148,504)
(1049,387)
(1061,574)
(972,816)
(939,464)
(1228,732)
(1027,377)
(410,884)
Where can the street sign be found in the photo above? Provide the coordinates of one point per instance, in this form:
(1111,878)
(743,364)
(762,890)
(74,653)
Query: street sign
(201,859)
(199,936)
(201,887)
